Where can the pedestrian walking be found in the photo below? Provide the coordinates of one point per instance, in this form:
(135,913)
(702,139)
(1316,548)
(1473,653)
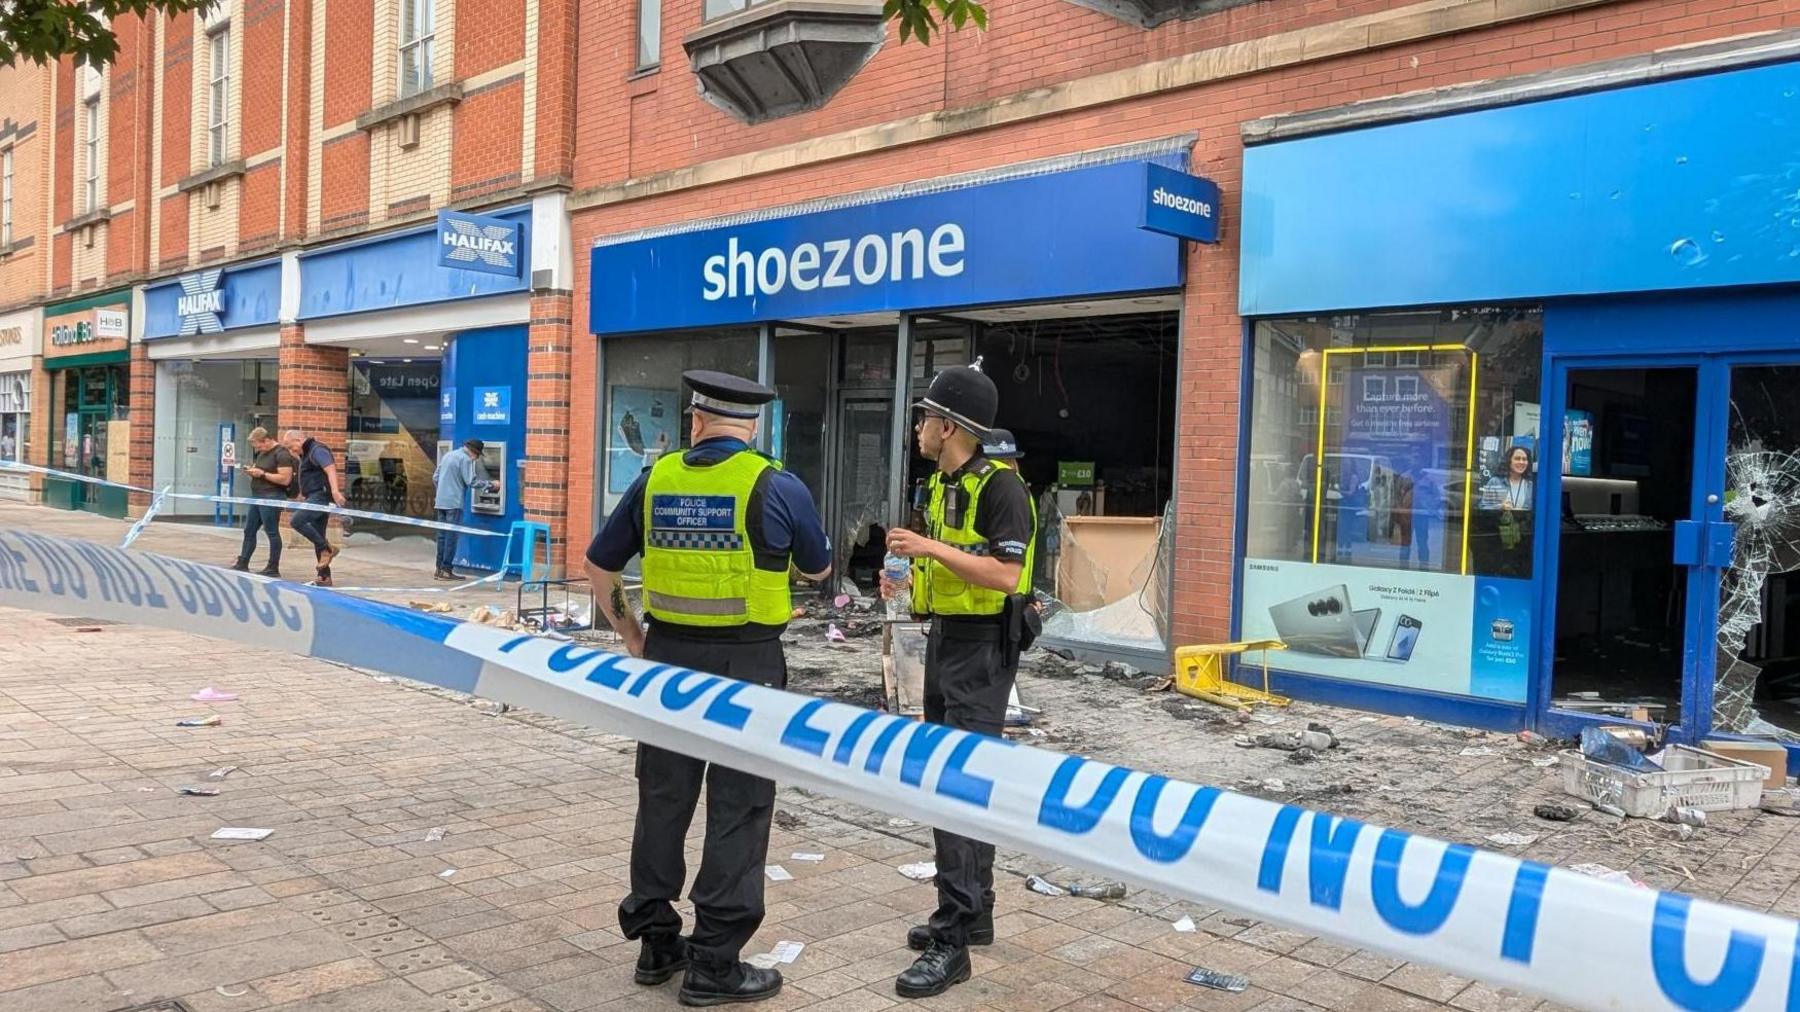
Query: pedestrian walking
(319,485)
(719,527)
(271,472)
(457,472)
(971,571)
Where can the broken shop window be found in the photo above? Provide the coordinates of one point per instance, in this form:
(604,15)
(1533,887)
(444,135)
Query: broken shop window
(1757,687)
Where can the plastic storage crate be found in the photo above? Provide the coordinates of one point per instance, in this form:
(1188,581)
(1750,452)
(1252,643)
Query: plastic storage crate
(1690,778)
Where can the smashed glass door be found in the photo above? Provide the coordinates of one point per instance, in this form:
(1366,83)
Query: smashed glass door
(1757,685)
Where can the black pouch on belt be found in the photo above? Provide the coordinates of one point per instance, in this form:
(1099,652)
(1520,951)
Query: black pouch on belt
(1022,624)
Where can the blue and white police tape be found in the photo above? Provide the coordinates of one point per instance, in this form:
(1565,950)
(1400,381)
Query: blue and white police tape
(149,515)
(286,504)
(1555,933)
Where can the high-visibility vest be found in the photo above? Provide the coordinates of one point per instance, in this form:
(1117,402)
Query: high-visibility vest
(699,566)
(937,590)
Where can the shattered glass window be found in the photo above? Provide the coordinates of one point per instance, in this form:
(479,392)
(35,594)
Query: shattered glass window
(1757,690)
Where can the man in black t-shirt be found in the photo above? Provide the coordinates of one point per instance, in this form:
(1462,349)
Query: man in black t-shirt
(317,476)
(271,475)
(972,561)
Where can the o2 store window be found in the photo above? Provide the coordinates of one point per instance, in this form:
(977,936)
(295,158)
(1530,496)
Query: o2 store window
(1389,532)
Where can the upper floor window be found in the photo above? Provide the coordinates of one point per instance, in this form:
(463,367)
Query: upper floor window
(416,31)
(90,183)
(649,33)
(218,98)
(6,190)
(719,8)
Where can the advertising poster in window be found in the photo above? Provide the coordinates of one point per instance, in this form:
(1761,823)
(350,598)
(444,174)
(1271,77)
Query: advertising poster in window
(1440,632)
(644,421)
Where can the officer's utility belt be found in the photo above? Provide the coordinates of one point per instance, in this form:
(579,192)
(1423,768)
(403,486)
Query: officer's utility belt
(749,632)
(983,628)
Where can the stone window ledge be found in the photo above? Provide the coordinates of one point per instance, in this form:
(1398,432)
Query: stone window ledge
(84,220)
(216,174)
(411,105)
(787,56)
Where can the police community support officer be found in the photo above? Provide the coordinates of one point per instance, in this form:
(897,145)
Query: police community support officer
(718,527)
(977,554)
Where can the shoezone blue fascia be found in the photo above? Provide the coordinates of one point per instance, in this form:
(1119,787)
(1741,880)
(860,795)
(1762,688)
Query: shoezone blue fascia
(1555,933)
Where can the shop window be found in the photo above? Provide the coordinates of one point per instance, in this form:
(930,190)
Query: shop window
(417,31)
(15,416)
(393,433)
(644,399)
(194,398)
(1369,531)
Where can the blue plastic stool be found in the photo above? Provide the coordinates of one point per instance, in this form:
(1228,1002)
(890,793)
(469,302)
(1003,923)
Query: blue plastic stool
(525,534)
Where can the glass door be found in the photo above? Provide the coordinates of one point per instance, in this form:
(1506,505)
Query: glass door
(1626,630)
(1755,688)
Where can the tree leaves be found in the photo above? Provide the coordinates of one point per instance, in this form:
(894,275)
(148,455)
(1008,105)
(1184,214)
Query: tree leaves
(920,18)
(46,30)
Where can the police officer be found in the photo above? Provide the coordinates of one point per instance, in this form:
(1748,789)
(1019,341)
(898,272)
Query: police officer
(975,555)
(719,526)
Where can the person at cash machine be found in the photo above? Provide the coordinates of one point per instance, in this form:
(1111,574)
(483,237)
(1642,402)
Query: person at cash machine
(719,528)
(971,570)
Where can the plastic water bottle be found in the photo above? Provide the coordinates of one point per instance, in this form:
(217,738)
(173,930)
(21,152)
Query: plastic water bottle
(898,571)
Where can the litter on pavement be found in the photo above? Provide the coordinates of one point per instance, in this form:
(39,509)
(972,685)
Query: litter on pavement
(1097,891)
(434,834)
(777,873)
(924,871)
(1185,925)
(1605,874)
(803,856)
(198,792)
(210,720)
(221,773)
(446,873)
(783,952)
(242,833)
(1555,813)
(1217,981)
(212,695)
(1512,839)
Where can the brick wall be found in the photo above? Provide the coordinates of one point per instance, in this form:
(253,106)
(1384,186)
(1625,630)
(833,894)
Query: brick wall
(1006,59)
(142,379)
(484,160)
(547,395)
(24,131)
(314,390)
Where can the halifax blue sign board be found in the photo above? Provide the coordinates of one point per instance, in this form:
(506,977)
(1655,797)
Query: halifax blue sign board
(1181,205)
(476,242)
(1055,235)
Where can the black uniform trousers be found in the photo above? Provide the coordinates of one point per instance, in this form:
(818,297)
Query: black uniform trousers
(728,891)
(967,686)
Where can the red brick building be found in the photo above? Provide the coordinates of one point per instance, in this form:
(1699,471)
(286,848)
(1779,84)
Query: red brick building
(303,150)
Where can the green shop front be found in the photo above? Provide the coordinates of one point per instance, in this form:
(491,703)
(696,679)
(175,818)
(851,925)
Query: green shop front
(87,355)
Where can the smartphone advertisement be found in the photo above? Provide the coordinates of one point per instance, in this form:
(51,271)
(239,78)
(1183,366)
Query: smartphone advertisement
(1402,628)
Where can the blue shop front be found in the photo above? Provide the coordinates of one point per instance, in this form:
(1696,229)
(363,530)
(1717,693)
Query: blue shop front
(1522,411)
(1061,277)
(435,320)
(215,336)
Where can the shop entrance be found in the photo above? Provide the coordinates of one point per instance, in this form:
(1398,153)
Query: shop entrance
(92,439)
(1678,552)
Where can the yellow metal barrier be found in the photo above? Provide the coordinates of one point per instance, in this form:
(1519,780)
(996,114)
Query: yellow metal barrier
(1200,672)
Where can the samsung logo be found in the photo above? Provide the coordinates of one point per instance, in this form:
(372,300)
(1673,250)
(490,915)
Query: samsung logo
(836,263)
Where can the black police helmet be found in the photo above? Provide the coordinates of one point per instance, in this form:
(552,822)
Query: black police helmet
(966,396)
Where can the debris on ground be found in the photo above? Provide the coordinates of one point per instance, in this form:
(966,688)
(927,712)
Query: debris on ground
(239,993)
(1316,738)
(1686,815)
(924,871)
(788,820)
(221,773)
(1618,746)
(198,792)
(1605,874)
(446,873)
(242,833)
(899,823)
(212,695)
(777,873)
(1512,839)
(490,616)
(210,720)
(833,634)
(1218,981)
(490,707)
(805,857)
(783,952)
(431,607)
(1098,891)
(1185,925)
(1555,812)
(434,834)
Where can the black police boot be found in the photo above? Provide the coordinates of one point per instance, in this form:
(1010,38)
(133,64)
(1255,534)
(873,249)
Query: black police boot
(241,566)
(934,972)
(918,937)
(661,958)
(711,985)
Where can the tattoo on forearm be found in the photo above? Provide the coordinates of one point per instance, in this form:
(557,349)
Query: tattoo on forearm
(618,600)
